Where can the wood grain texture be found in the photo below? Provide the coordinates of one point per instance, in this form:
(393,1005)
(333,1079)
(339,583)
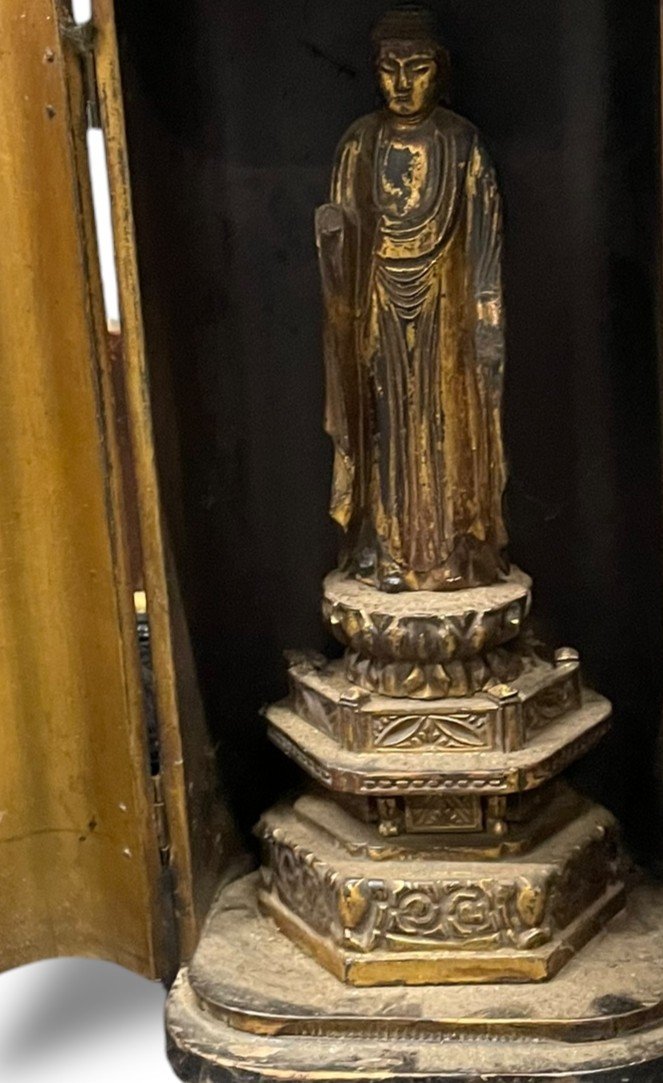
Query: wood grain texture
(201,837)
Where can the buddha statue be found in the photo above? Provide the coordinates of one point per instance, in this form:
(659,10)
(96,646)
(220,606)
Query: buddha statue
(410,254)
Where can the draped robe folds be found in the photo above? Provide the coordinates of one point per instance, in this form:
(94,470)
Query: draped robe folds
(414,351)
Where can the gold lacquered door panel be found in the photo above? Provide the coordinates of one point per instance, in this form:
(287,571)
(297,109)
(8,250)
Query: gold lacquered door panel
(79,859)
(201,839)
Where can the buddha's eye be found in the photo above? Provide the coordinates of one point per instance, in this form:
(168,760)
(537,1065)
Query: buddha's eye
(422,69)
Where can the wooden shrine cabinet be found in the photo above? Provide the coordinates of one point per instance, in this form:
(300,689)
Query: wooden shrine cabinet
(163,489)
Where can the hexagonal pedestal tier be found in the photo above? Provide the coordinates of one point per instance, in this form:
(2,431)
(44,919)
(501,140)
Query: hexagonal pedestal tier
(413,920)
(502,716)
(395,772)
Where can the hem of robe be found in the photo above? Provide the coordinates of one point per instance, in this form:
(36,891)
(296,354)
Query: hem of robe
(471,563)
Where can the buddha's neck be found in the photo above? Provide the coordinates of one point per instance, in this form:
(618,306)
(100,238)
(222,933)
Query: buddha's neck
(407,124)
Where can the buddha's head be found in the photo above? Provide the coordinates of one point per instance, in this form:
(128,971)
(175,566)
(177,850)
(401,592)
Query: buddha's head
(411,64)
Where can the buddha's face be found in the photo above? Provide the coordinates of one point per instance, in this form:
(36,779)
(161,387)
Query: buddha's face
(408,76)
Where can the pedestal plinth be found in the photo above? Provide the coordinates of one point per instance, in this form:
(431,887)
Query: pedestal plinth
(444,850)
(436,849)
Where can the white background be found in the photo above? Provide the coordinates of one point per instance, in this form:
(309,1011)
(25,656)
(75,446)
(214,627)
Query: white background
(76,1020)
(79,1021)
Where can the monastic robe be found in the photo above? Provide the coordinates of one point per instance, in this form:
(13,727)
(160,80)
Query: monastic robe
(410,252)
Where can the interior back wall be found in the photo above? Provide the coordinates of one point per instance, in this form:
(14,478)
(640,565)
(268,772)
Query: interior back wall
(234,108)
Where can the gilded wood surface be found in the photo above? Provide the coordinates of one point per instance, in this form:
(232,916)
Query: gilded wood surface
(79,868)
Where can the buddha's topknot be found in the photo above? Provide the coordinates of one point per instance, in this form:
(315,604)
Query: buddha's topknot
(407,22)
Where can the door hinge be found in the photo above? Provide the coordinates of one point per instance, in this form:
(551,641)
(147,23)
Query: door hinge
(161,820)
(151,726)
(81,38)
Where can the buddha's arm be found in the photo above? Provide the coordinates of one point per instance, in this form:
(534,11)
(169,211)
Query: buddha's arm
(485,258)
(330,237)
(485,261)
(331,228)
(334,231)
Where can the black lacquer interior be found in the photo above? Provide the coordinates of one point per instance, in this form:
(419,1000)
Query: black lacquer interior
(234,108)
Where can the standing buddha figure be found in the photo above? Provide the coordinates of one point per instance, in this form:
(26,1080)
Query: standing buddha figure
(410,255)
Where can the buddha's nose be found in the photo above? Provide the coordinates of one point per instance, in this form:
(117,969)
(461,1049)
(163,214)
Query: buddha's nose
(402,81)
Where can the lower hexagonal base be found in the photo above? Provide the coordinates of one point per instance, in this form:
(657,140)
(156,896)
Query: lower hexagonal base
(453,967)
(418,921)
